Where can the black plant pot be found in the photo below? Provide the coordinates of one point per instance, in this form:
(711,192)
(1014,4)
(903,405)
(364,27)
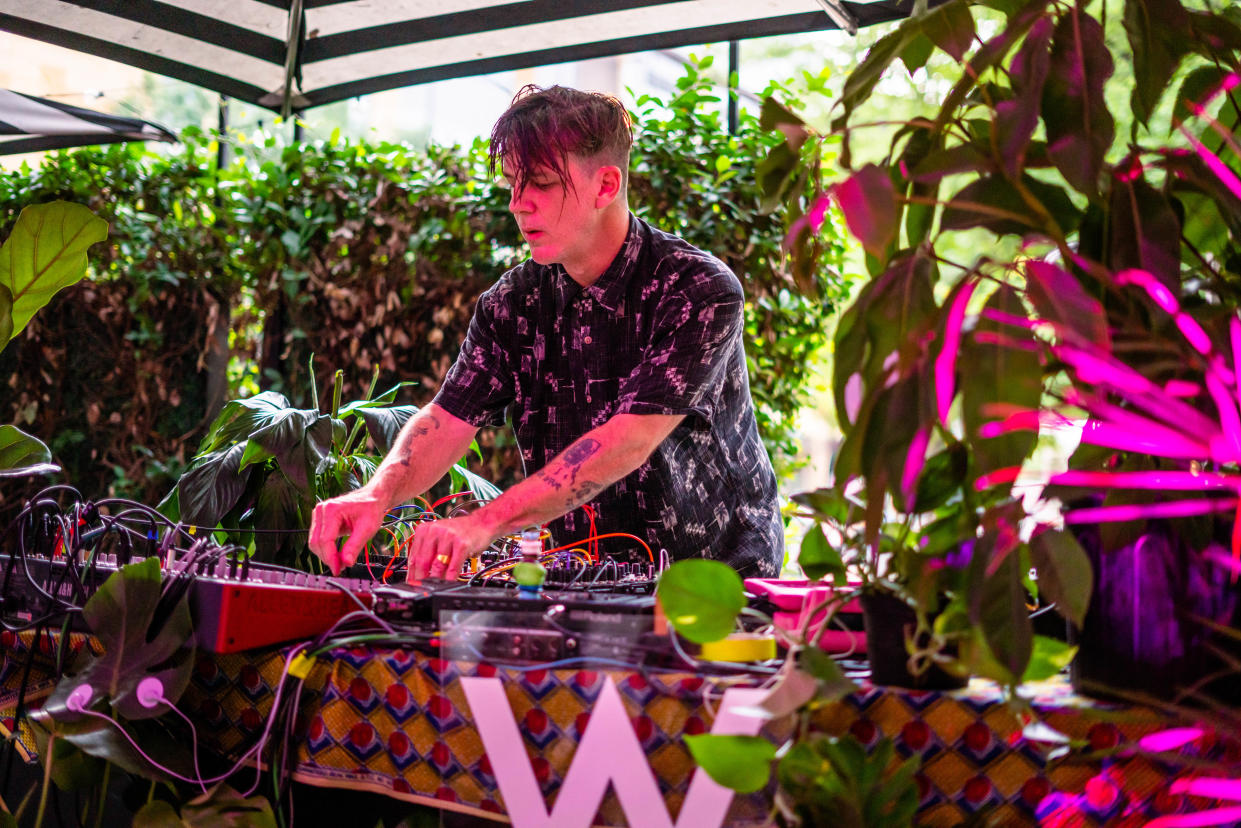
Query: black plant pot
(887,621)
(1149,629)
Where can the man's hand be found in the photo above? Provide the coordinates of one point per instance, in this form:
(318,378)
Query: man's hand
(357,515)
(440,547)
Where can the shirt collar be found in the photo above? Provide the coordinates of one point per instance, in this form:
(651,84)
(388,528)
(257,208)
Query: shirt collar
(609,289)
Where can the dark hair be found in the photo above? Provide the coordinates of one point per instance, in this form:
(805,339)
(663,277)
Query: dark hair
(542,127)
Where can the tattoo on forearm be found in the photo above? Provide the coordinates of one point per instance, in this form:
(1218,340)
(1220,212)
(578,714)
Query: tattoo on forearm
(548,479)
(577,454)
(585,491)
(422,428)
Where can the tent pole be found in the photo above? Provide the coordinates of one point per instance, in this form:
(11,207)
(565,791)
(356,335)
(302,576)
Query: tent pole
(734,71)
(221,153)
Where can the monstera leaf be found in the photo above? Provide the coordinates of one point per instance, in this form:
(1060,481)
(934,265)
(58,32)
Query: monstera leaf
(144,636)
(45,252)
(220,807)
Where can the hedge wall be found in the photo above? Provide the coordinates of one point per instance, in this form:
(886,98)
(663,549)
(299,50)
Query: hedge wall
(221,282)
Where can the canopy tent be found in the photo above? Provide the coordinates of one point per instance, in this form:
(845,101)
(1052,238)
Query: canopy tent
(322,51)
(30,124)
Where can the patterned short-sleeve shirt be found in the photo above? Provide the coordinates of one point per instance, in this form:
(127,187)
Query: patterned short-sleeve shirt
(660,332)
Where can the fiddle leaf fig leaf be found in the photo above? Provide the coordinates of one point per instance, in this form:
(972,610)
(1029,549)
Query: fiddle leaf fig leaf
(701,598)
(741,763)
(1065,577)
(868,201)
(1079,126)
(22,455)
(6,315)
(1159,37)
(45,252)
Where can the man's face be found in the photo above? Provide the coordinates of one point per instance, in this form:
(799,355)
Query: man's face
(557,217)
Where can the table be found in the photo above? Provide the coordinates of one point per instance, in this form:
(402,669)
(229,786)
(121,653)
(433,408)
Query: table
(401,722)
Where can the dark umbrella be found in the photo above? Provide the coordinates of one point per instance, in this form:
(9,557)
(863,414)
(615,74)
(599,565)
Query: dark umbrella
(30,124)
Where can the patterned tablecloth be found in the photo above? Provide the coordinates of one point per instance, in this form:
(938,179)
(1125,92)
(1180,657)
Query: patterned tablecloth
(398,722)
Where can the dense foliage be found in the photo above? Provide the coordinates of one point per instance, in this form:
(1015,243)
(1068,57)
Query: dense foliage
(219,283)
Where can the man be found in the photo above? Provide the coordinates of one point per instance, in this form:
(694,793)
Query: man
(617,349)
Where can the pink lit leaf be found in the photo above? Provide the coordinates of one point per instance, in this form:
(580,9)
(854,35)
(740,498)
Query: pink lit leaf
(868,201)
(994,203)
(1060,299)
(1208,786)
(1199,91)
(1154,480)
(1159,293)
(1146,511)
(1173,738)
(1211,816)
(914,461)
(810,223)
(946,360)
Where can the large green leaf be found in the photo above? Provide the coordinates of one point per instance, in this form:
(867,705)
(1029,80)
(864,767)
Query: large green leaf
(701,598)
(142,636)
(463,479)
(6,315)
(1065,577)
(287,436)
(45,252)
(1079,126)
(280,505)
(383,424)
(22,455)
(241,418)
(212,487)
(742,763)
(1158,38)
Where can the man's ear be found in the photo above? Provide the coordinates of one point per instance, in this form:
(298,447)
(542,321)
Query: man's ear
(610,181)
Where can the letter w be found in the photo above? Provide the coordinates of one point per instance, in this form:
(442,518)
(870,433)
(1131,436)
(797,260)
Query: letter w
(609,752)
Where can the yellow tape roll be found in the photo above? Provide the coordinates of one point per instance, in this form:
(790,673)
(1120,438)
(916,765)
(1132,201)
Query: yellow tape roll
(740,647)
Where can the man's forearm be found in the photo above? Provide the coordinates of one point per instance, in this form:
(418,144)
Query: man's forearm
(427,446)
(595,461)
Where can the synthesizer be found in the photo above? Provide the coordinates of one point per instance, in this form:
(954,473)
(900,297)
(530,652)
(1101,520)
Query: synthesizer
(234,606)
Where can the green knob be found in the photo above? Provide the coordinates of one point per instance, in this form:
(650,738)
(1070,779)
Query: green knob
(529,574)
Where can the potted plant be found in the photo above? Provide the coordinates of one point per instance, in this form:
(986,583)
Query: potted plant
(1003,230)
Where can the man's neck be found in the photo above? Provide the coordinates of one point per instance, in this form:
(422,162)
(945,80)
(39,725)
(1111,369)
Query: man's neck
(606,244)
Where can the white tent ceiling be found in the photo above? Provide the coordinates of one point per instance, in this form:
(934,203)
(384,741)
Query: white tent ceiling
(344,48)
